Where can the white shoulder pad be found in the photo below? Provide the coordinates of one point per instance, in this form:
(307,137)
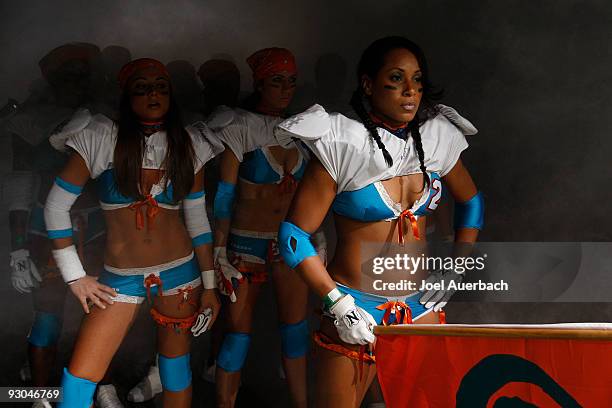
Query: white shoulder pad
(221,117)
(248,131)
(443,143)
(311,124)
(95,143)
(348,154)
(466,127)
(205,143)
(38,123)
(78,122)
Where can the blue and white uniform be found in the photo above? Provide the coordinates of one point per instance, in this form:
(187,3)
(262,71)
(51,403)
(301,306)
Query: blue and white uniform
(95,143)
(350,156)
(249,136)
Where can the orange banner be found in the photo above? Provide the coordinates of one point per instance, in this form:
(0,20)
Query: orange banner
(494,370)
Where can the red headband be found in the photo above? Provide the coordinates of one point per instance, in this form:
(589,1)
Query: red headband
(269,61)
(131,67)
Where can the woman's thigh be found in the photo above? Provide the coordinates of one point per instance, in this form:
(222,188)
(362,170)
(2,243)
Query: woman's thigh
(291,294)
(341,381)
(100,335)
(240,313)
(172,342)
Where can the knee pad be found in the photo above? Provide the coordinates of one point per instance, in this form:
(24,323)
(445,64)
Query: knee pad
(77,392)
(294,339)
(175,373)
(45,330)
(233,351)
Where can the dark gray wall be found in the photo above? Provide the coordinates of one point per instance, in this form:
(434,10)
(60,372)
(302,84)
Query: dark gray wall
(533,76)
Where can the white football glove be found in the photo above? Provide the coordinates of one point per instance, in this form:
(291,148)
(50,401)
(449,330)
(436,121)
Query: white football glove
(354,325)
(226,273)
(438,298)
(24,274)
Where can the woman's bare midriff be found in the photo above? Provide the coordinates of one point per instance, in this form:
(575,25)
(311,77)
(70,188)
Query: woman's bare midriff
(163,240)
(360,242)
(261,207)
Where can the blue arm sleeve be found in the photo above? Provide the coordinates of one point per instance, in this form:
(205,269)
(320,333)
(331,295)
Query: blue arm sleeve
(471,213)
(224,200)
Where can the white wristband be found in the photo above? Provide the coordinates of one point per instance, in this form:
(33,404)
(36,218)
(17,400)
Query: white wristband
(208,279)
(68,263)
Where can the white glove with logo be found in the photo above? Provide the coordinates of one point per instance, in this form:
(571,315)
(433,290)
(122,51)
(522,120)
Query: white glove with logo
(354,325)
(226,273)
(438,298)
(24,274)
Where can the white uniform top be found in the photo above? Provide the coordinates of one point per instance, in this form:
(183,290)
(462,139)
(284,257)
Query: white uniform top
(95,142)
(245,131)
(352,158)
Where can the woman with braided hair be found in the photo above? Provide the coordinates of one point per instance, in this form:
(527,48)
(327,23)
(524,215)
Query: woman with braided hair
(146,166)
(381,175)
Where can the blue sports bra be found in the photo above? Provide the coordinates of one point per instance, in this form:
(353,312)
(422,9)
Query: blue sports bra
(111,198)
(372,203)
(259,167)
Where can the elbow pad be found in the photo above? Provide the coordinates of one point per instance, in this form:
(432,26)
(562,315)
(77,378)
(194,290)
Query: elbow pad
(471,213)
(294,244)
(196,220)
(57,208)
(224,200)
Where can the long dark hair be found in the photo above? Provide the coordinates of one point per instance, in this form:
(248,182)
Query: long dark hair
(370,63)
(127,160)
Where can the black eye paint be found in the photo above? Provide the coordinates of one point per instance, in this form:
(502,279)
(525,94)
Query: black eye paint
(145,89)
(390,87)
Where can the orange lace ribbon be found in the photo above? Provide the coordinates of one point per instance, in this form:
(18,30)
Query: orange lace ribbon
(288,184)
(400,225)
(152,211)
(177,323)
(185,292)
(325,342)
(397,308)
(153,280)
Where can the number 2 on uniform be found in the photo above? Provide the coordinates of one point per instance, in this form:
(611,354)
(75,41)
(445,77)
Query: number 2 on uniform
(436,185)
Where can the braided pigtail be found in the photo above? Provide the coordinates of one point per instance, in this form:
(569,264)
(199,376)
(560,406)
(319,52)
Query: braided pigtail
(418,145)
(357,105)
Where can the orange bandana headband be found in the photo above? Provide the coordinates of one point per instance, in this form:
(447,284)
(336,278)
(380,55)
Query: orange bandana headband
(269,61)
(131,67)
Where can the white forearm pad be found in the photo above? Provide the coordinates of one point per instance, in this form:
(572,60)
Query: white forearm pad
(19,190)
(57,208)
(69,264)
(196,220)
(208,279)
